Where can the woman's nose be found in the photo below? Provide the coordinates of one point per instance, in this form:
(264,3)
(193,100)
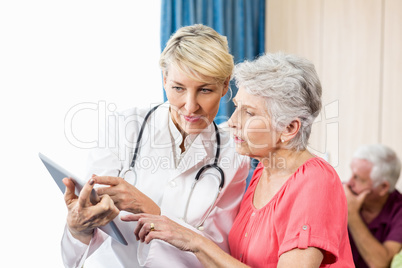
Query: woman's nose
(232,122)
(191,104)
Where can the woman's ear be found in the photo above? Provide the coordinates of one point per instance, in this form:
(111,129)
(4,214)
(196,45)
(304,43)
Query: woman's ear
(164,75)
(226,86)
(291,130)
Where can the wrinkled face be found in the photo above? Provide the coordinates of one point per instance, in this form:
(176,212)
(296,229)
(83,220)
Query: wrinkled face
(193,104)
(360,179)
(252,127)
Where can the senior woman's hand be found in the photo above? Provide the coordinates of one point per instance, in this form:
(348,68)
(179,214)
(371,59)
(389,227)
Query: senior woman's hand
(164,229)
(126,196)
(84,216)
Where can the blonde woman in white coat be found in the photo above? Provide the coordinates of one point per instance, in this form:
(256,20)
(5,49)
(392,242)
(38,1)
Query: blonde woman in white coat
(179,138)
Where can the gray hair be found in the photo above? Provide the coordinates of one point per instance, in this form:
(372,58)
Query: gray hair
(291,88)
(386,164)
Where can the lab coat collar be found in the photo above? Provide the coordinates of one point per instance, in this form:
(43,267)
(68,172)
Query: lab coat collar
(177,139)
(202,148)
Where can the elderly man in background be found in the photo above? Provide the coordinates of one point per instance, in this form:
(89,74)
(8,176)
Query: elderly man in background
(374,206)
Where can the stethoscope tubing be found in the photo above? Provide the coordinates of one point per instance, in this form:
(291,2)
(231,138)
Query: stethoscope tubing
(198,175)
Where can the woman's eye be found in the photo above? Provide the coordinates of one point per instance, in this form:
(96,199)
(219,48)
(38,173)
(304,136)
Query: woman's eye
(178,88)
(205,90)
(249,113)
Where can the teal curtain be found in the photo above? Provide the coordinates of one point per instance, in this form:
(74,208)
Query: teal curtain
(241,21)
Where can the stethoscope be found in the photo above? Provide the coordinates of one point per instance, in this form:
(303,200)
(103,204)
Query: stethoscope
(131,175)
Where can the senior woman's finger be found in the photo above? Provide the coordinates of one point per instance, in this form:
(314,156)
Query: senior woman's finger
(141,230)
(147,226)
(132,217)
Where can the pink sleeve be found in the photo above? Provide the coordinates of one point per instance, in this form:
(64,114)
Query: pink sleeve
(313,211)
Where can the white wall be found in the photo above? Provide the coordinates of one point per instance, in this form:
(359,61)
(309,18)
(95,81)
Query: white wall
(356,48)
(55,55)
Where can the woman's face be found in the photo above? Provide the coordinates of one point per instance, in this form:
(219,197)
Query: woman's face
(193,104)
(252,128)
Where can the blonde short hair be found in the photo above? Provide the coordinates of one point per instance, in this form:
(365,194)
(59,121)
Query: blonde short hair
(198,51)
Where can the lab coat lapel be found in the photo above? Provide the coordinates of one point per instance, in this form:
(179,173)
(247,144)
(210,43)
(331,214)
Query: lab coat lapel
(200,152)
(162,141)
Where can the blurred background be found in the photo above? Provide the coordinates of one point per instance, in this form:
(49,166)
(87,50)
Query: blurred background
(66,65)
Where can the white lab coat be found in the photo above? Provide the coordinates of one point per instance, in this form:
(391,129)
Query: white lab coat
(167,185)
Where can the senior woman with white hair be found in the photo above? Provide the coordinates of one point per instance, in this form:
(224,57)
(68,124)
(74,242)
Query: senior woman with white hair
(294,212)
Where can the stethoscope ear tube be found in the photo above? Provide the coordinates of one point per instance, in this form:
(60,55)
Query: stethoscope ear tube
(137,145)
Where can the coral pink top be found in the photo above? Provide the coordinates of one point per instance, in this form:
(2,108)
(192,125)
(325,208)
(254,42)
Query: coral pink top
(310,210)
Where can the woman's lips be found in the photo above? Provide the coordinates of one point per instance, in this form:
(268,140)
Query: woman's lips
(191,119)
(238,139)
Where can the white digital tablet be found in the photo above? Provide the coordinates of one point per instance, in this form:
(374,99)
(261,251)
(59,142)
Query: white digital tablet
(58,173)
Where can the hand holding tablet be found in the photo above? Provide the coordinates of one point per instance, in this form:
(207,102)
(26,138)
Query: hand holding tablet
(58,173)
